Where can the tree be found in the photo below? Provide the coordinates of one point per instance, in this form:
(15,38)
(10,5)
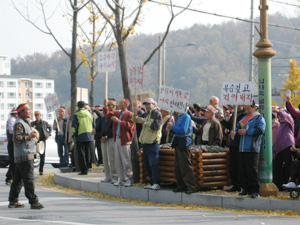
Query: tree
(76,8)
(292,83)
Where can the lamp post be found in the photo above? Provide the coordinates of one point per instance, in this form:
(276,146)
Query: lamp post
(264,53)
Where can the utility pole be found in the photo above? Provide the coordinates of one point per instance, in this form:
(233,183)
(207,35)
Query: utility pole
(251,59)
(164,63)
(264,53)
(159,68)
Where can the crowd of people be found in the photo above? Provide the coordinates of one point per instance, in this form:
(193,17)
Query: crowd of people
(104,134)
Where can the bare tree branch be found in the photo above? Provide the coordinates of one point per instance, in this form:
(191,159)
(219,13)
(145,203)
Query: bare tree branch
(173,16)
(110,6)
(81,7)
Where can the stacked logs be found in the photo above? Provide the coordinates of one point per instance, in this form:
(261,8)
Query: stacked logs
(210,169)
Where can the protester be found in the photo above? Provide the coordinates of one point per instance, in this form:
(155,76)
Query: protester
(275,126)
(281,149)
(10,145)
(44,130)
(183,165)
(294,169)
(68,139)
(59,126)
(83,129)
(24,151)
(251,129)
(100,116)
(150,138)
(138,126)
(164,133)
(214,101)
(234,165)
(211,131)
(107,146)
(123,133)
(296,116)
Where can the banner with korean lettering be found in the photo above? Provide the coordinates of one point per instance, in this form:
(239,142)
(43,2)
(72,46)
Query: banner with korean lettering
(107,61)
(51,103)
(237,93)
(173,99)
(135,75)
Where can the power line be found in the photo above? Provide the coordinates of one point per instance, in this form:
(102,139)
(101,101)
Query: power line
(227,17)
(284,3)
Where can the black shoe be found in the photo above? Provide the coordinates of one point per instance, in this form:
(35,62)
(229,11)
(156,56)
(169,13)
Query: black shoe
(179,190)
(83,173)
(243,193)
(15,205)
(233,189)
(37,206)
(254,195)
(190,191)
(41,173)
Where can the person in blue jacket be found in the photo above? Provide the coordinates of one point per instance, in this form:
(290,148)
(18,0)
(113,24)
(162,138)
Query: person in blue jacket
(251,129)
(183,131)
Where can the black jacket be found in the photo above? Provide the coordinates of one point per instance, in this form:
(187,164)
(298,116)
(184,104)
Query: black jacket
(64,128)
(47,129)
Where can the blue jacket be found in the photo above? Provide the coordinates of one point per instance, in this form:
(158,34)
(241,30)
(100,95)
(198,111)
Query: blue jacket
(183,128)
(252,140)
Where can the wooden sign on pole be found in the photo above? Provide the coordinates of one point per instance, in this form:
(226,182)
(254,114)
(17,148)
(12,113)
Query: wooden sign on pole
(52,104)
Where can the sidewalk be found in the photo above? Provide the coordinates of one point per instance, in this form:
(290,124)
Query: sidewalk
(91,183)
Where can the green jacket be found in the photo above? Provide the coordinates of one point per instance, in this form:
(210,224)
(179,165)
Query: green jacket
(82,125)
(151,131)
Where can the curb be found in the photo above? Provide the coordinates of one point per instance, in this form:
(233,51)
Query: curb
(166,196)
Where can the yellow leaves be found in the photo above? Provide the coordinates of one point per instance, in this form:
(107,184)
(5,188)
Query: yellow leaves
(294,39)
(83,40)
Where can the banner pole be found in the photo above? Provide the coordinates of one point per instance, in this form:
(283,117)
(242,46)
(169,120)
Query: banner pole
(106,84)
(55,118)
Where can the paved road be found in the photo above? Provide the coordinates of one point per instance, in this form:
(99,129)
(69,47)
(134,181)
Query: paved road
(67,209)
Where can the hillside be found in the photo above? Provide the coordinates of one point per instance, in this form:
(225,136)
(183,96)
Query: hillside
(221,54)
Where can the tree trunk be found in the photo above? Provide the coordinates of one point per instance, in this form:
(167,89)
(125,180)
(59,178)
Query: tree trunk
(73,71)
(91,94)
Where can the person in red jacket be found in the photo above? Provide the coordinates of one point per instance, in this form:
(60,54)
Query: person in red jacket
(123,133)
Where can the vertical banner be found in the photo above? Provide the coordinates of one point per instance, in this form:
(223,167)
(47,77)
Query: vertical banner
(265,109)
(107,61)
(173,99)
(135,76)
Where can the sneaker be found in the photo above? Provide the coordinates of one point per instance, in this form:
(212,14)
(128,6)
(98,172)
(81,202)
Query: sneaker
(148,186)
(254,195)
(15,205)
(289,185)
(118,183)
(128,183)
(37,206)
(155,187)
(105,181)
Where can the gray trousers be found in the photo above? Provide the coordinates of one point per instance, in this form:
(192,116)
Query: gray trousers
(123,160)
(108,154)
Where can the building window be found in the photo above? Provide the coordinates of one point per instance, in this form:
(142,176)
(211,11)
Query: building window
(39,106)
(11,84)
(11,105)
(38,95)
(11,94)
(20,95)
(1,94)
(49,116)
(2,116)
(47,94)
(27,95)
(48,85)
(27,85)
(2,127)
(38,85)
(1,84)
(1,105)
(19,84)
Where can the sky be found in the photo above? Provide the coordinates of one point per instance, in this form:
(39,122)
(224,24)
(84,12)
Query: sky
(20,38)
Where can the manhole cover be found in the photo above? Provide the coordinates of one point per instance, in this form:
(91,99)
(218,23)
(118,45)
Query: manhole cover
(45,217)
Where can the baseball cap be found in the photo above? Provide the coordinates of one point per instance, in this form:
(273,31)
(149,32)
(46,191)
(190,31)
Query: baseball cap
(149,100)
(211,109)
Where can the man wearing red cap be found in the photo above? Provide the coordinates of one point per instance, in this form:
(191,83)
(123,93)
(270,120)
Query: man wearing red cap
(44,130)
(123,133)
(24,151)
(10,146)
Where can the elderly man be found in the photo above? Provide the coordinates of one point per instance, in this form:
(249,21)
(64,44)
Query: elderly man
(183,166)
(123,133)
(10,145)
(59,126)
(214,101)
(83,128)
(150,138)
(24,151)
(44,130)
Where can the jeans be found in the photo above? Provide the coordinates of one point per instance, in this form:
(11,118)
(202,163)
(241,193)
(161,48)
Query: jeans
(63,151)
(151,156)
(23,174)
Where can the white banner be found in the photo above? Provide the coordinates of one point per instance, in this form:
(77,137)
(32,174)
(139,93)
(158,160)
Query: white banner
(107,61)
(237,93)
(173,99)
(135,76)
(51,103)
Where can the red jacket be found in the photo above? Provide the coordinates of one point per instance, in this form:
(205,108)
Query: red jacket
(127,127)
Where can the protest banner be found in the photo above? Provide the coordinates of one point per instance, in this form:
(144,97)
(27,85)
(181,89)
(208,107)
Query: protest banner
(106,63)
(237,93)
(135,76)
(52,104)
(173,99)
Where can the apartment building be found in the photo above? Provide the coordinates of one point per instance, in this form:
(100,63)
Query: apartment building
(32,90)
